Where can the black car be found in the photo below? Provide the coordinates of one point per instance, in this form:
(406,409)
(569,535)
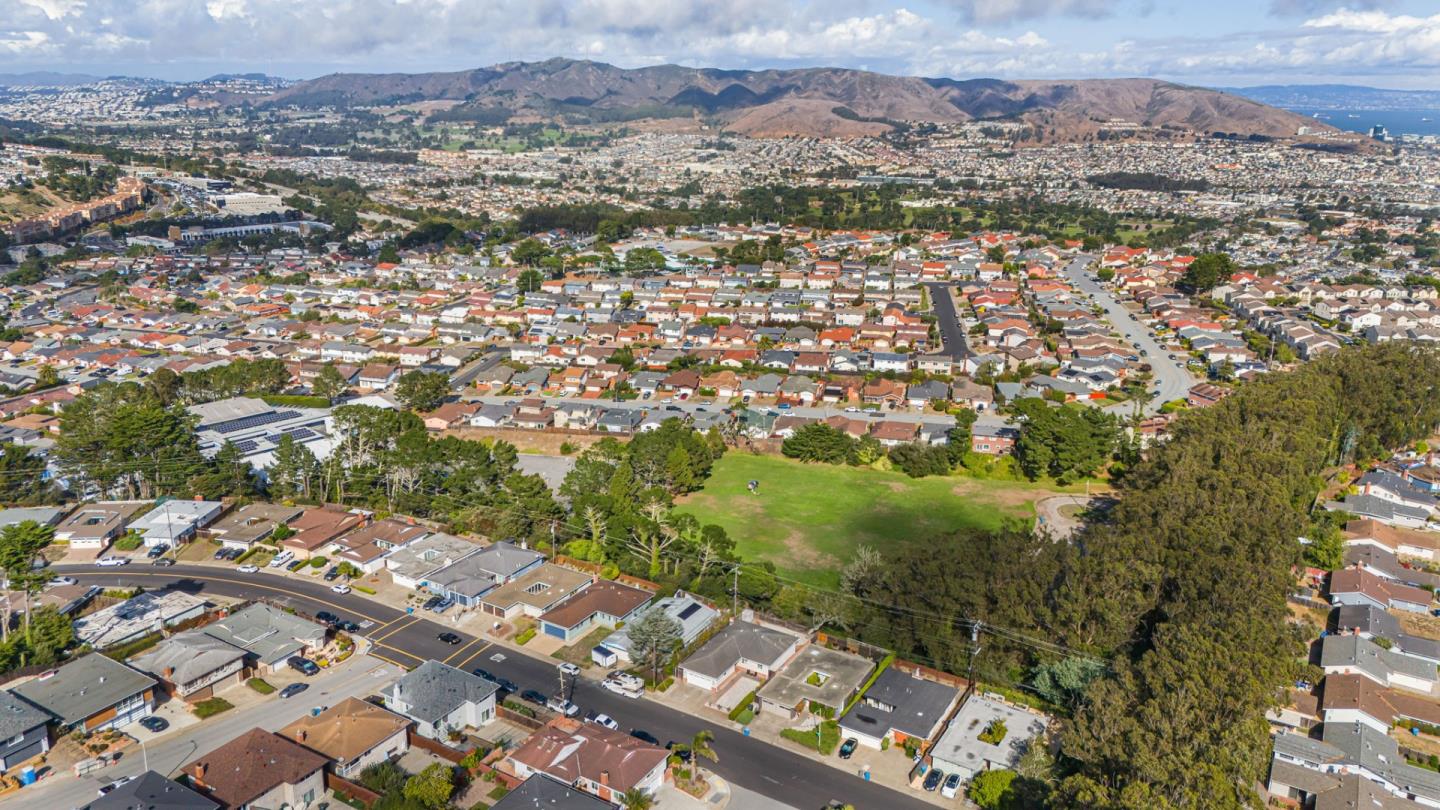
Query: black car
(933,779)
(848,747)
(644,736)
(157,551)
(327,618)
(432,602)
(534,696)
(333,574)
(449,638)
(155,724)
(506,685)
(295,566)
(303,665)
(221,554)
(293,689)
(347,626)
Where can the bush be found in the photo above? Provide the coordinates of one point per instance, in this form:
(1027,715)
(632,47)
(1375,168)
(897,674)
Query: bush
(128,542)
(133,648)
(211,707)
(525,635)
(519,708)
(884,743)
(994,733)
(568,448)
(318,562)
(260,685)
(665,685)
(745,717)
(363,589)
(743,705)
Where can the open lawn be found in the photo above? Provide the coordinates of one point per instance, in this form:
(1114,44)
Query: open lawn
(808,518)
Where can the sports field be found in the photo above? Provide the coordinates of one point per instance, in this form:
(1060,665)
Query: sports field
(808,518)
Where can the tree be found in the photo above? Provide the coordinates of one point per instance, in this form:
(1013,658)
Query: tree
(917,459)
(329,383)
(637,799)
(229,475)
(294,470)
(388,254)
(820,442)
(431,787)
(422,391)
(19,544)
(529,280)
(1208,270)
(47,377)
(653,637)
(1064,682)
(701,747)
(1066,442)
(23,477)
(991,789)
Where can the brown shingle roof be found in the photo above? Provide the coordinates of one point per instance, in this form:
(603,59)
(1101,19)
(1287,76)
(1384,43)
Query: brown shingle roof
(346,730)
(604,596)
(569,750)
(251,765)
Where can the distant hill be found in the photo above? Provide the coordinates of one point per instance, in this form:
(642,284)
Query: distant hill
(1339,97)
(810,102)
(45,78)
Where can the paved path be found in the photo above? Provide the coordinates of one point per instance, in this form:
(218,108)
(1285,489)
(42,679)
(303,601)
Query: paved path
(951,333)
(1050,514)
(409,639)
(1171,376)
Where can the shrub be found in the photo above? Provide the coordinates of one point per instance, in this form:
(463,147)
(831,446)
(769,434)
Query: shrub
(260,685)
(133,648)
(665,685)
(318,562)
(884,743)
(745,717)
(568,448)
(363,589)
(525,635)
(211,707)
(519,708)
(743,706)
(994,733)
(129,542)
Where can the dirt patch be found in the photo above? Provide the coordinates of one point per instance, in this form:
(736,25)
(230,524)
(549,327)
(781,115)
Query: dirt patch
(800,554)
(1418,624)
(1011,497)
(533,441)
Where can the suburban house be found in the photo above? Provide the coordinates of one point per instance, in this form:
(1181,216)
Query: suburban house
(269,636)
(366,547)
(259,769)
(1402,542)
(995,440)
(1347,748)
(252,523)
(1353,655)
(743,647)
(93,525)
(816,679)
(471,577)
(410,566)
(692,614)
(192,665)
(1371,622)
(175,521)
(534,592)
(540,791)
(590,758)
(137,617)
(317,528)
(93,693)
(44,515)
(441,698)
(24,730)
(152,791)
(603,604)
(1357,586)
(1356,699)
(899,706)
(985,734)
(353,734)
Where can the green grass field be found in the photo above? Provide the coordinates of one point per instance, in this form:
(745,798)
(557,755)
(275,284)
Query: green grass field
(808,518)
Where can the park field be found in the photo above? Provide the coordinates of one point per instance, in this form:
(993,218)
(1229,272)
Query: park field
(808,518)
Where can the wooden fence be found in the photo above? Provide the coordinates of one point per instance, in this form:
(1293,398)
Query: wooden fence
(435,747)
(345,787)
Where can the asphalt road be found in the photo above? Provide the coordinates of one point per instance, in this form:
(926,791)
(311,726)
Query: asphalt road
(407,640)
(1171,375)
(948,320)
(679,408)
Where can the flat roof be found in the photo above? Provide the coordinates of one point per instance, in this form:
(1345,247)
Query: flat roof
(818,674)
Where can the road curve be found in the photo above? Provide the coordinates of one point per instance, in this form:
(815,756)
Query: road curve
(409,639)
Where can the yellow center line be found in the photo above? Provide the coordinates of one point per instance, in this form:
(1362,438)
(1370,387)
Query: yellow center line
(461,651)
(399,626)
(475,655)
(246,583)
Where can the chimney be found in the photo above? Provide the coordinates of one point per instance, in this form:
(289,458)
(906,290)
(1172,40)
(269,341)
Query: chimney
(200,771)
(605,778)
(168,671)
(303,734)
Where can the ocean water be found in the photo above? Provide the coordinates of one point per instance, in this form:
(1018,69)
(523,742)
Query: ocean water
(1399,122)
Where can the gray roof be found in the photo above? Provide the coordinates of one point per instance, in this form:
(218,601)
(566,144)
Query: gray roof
(433,690)
(483,570)
(540,791)
(84,687)
(740,640)
(271,635)
(960,743)
(1379,754)
(1371,658)
(44,515)
(18,717)
(191,654)
(151,791)
(841,674)
(900,701)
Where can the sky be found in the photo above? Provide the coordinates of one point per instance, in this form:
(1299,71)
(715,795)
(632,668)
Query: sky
(1382,43)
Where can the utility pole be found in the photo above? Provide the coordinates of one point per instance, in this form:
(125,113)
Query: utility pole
(735,591)
(974,652)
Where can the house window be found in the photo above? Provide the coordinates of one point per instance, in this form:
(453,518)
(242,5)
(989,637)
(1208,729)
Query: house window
(309,796)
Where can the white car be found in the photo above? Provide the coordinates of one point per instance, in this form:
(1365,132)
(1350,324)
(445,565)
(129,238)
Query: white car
(340,588)
(63,581)
(248,568)
(109,786)
(562,706)
(570,669)
(112,561)
(607,721)
(619,688)
(283,558)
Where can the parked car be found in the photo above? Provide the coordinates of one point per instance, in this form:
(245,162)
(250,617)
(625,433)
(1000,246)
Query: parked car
(560,705)
(569,669)
(63,581)
(109,786)
(303,665)
(332,574)
(431,603)
(295,565)
(248,568)
(444,605)
(620,688)
(340,588)
(282,558)
(607,721)
(952,786)
(164,562)
(644,736)
(155,724)
(847,748)
(326,617)
(533,696)
(933,779)
(293,689)
(221,554)
(157,551)
(108,562)
(347,626)
(450,638)
(505,684)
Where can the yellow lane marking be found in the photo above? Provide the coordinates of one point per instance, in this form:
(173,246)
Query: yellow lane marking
(475,655)
(398,627)
(459,652)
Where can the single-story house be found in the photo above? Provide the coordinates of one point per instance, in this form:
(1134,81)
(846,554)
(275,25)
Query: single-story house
(540,791)
(317,528)
(535,592)
(92,693)
(817,677)
(984,734)
(742,647)
(603,604)
(175,521)
(192,665)
(441,698)
(899,706)
(94,525)
(152,791)
(353,734)
(252,523)
(1356,586)
(694,616)
(473,576)
(259,769)
(410,566)
(137,616)
(366,547)
(270,636)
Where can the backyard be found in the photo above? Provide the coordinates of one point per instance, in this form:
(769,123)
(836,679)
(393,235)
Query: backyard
(809,518)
